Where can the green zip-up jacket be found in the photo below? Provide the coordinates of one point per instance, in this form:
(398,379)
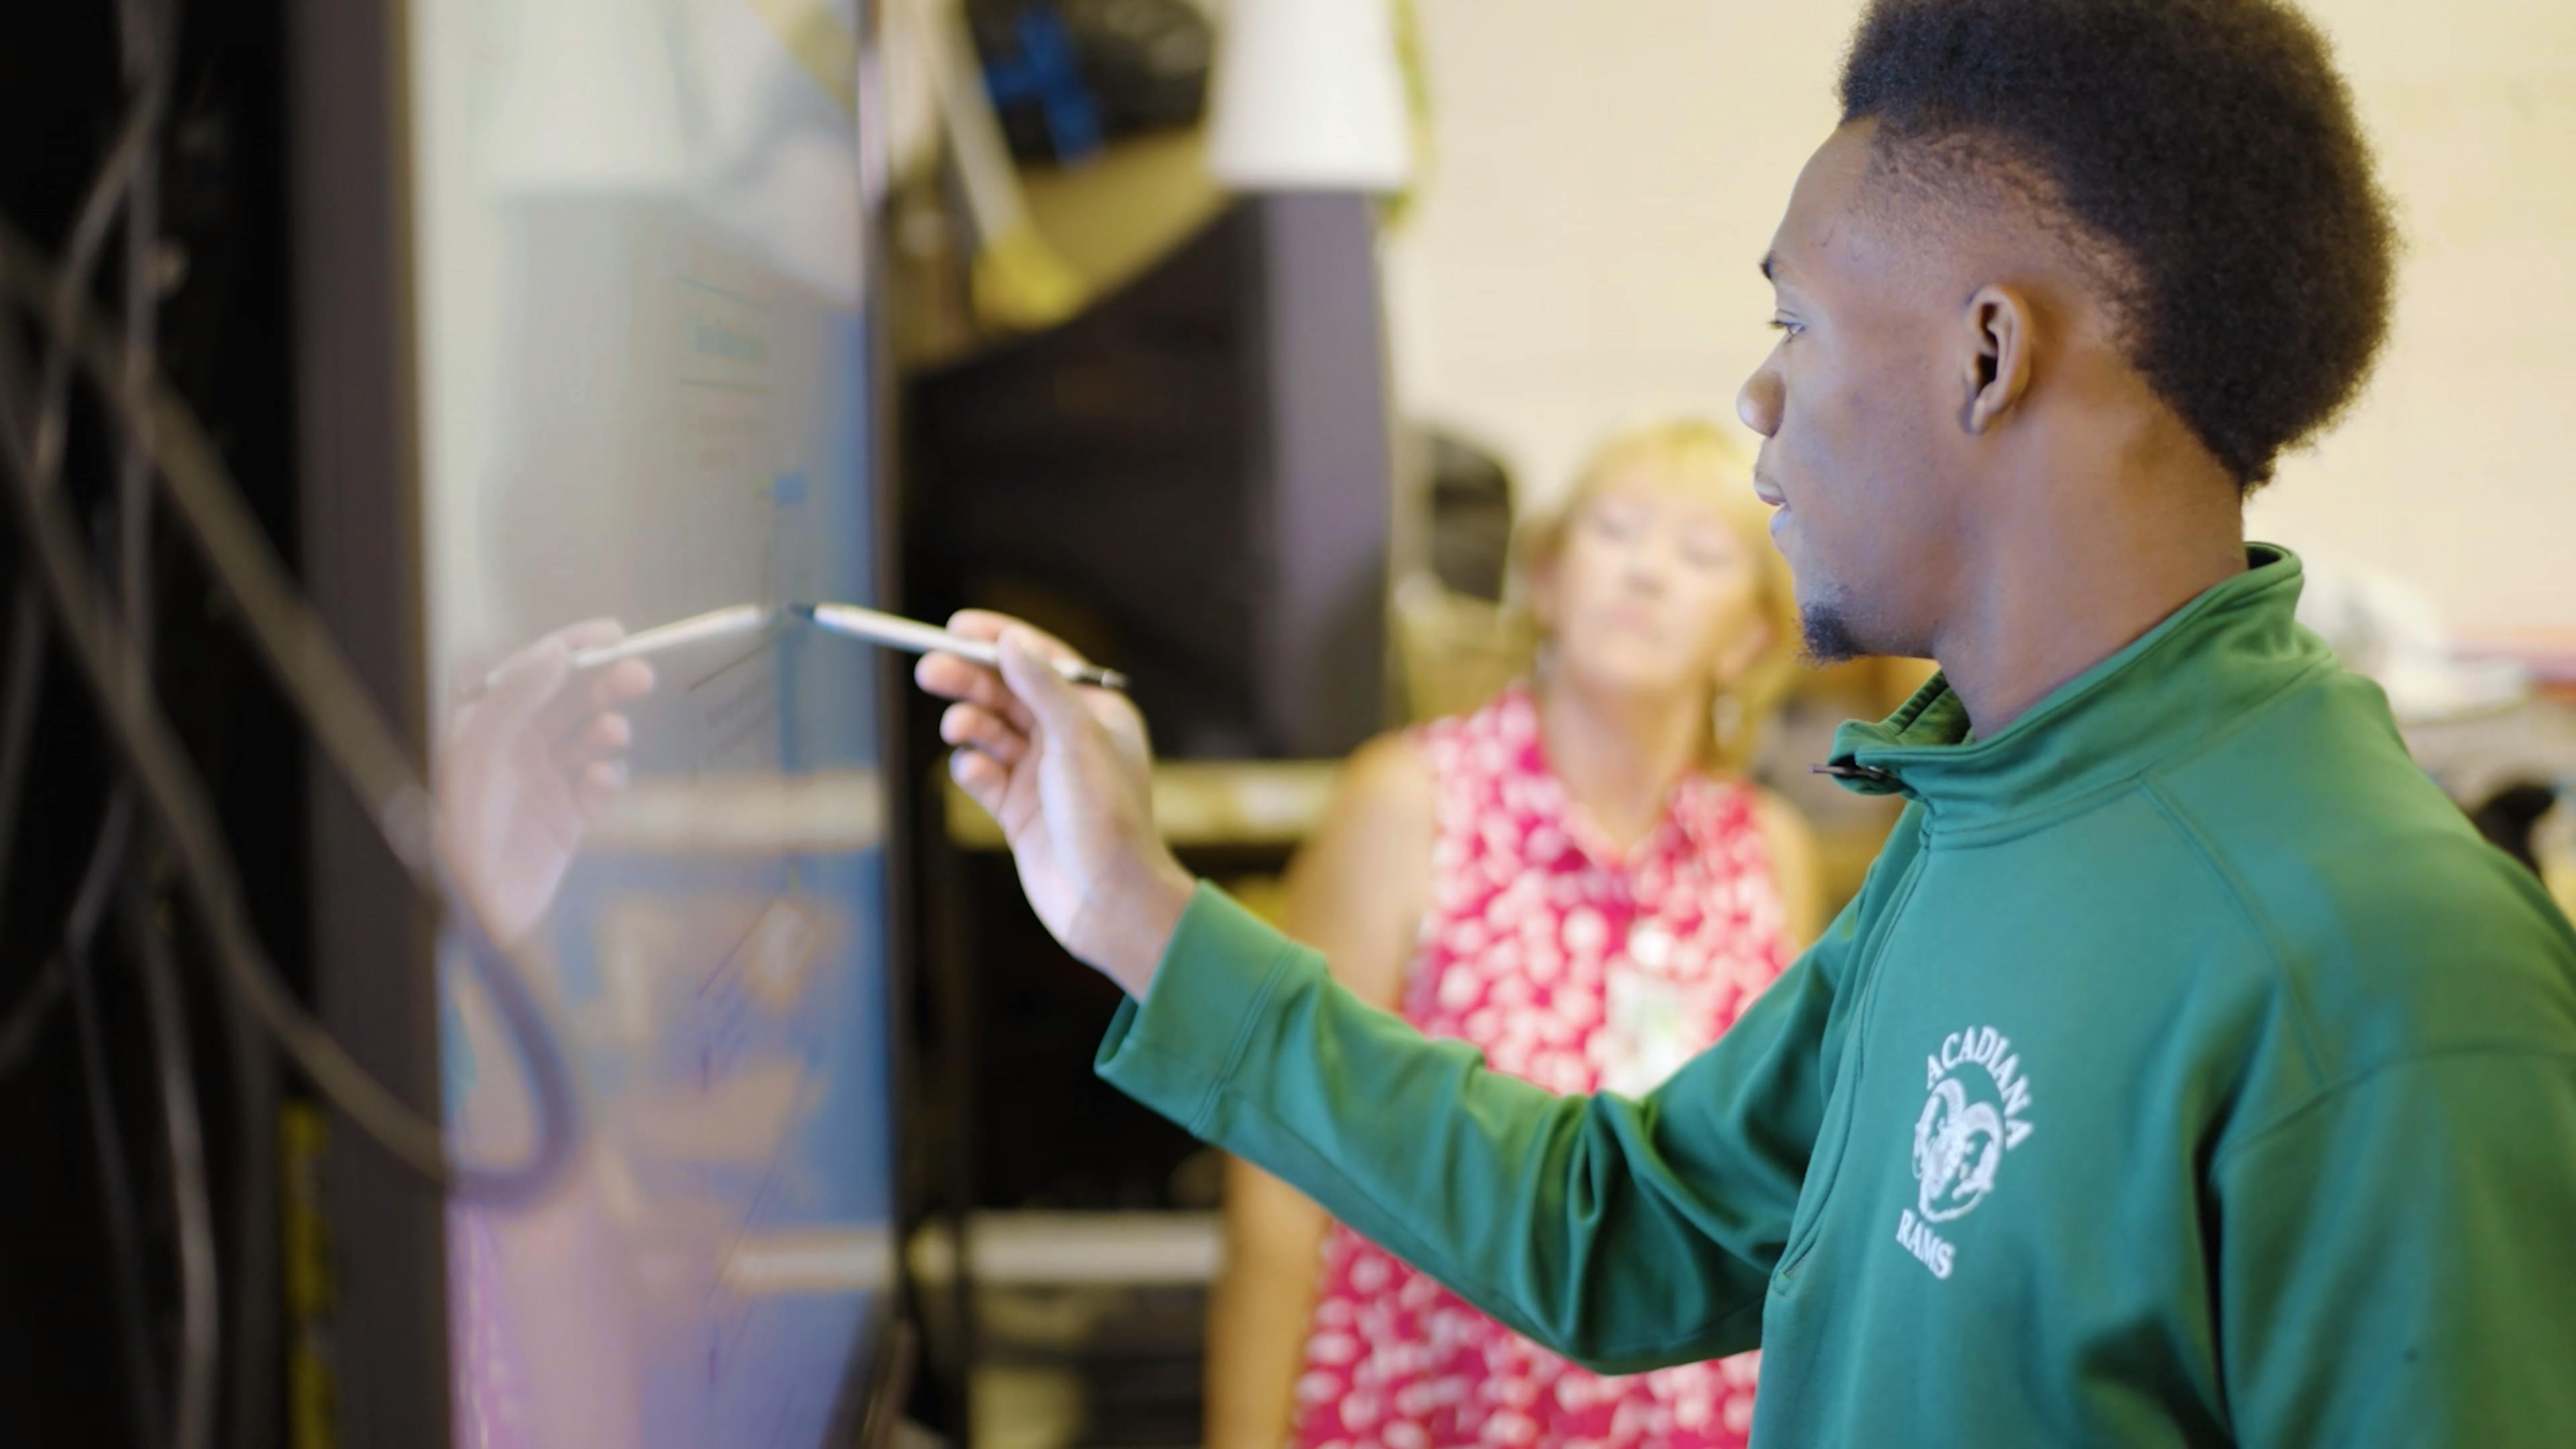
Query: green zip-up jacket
(2186,1072)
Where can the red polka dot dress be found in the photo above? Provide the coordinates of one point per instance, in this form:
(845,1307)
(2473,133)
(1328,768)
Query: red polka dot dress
(1581,969)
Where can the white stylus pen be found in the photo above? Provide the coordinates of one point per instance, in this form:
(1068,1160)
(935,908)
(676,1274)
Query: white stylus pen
(900,633)
(844,619)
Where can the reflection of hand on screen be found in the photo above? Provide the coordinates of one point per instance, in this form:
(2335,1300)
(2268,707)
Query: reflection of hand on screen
(524,767)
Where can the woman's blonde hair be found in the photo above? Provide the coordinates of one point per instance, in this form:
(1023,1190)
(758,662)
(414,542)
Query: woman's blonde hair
(1697,455)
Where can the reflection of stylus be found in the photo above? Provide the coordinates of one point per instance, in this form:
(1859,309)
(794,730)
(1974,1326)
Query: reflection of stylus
(697,629)
(900,633)
(715,624)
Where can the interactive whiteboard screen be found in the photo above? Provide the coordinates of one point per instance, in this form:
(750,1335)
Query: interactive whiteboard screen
(640,283)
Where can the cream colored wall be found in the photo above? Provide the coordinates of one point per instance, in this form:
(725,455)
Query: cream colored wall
(1605,176)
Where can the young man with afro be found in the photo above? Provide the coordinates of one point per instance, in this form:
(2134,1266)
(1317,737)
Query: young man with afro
(2188,1071)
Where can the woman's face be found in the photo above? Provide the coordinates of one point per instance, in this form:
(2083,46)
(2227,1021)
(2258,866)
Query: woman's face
(1652,592)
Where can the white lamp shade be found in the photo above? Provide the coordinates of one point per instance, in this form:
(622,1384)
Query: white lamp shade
(1307,96)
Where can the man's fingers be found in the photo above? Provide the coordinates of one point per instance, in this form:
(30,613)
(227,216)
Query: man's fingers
(620,683)
(607,687)
(531,678)
(603,691)
(599,785)
(945,676)
(605,735)
(981,778)
(1032,679)
(534,677)
(592,633)
(976,727)
(979,623)
(467,678)
(985,624)
(949,677)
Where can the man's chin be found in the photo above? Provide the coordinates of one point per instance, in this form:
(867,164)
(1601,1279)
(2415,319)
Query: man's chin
(1830,637)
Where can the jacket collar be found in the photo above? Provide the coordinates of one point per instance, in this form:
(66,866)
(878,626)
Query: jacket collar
(2210,661)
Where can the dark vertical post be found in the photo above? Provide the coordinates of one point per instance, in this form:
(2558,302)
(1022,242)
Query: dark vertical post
(357,459)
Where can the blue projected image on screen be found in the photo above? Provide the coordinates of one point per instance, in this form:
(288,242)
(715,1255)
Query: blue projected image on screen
(643,318)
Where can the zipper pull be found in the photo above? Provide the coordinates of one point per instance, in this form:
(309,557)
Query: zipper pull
(1869,775)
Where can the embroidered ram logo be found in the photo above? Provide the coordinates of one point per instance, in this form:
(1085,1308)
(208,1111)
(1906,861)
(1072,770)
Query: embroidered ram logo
(1958,1145)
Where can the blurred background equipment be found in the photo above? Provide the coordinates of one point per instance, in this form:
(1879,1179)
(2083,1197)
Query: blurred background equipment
(1189,480)
(1014,278)
(2391,630)
(1071,76)
(1456,638)
(1470,505)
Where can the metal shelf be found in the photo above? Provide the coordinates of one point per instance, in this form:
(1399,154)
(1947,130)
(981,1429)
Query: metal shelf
(1202,804)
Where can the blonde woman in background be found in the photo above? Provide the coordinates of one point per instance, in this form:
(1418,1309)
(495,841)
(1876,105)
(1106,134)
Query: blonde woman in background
(1576,879)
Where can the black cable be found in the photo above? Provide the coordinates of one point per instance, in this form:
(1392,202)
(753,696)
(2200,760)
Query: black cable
(126,174)
(192,1421)
(107,1139)
(18,1032)
(149,33)
(291,638)
(92,219)
(90,226)
(255,1246)
(102,650)
(24,679)
(327,693)
(324,690)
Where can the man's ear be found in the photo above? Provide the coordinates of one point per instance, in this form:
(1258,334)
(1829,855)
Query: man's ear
(1996,343)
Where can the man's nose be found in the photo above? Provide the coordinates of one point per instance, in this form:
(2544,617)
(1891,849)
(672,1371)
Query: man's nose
(1758,401)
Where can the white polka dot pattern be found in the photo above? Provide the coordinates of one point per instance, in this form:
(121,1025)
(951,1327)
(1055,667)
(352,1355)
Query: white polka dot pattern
(1581,969)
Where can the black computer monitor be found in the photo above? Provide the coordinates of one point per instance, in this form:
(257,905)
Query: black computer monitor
(1192,478)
